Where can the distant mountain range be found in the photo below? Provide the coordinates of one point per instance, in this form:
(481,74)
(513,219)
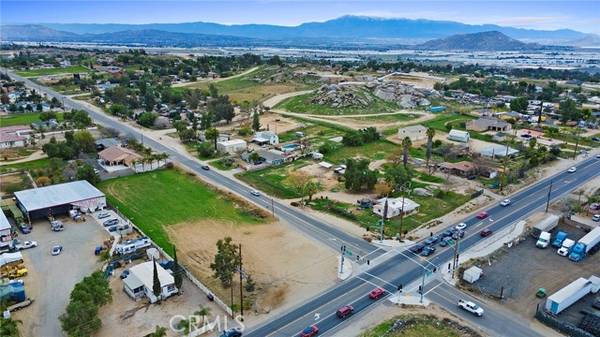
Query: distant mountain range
(346,30)
(489,41)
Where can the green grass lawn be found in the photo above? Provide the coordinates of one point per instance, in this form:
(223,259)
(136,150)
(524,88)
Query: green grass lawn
(303,104)
(53,71)
(403,117)
(30,165)
(23,118)
(416,326)
(374,151)
(162,198)
(313,132)
(441,120)
(272,180)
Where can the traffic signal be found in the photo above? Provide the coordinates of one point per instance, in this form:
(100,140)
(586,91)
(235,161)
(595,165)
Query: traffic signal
(420,289)
(400,287)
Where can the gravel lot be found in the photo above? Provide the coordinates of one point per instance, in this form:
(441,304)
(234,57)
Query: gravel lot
(51,278)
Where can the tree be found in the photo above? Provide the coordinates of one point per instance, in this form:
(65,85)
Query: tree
(519,104)
(205,121)
(156,287)
(430,134)
(213,91)
(186,135)
(250,284)
(568,110)
(147,119)
(382,188)
(205,150)
(43,181)
(212,134)
(159,331)
(87,172)
(226,261)
(46,116)
(84,141)
(177,271)
(275,61)
(406,144)
(358,176)
(305,185)
(8,327)
(255,121)
(397,175)
(202,312)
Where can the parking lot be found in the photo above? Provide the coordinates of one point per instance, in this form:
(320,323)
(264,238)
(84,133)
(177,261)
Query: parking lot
(51,278)
(523,269)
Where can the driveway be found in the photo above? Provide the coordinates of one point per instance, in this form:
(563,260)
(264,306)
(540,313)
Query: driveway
(51,278)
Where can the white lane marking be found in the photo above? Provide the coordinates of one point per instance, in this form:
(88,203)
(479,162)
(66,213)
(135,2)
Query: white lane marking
(380,279)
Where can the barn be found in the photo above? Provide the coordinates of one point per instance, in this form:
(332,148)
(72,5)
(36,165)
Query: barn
(59,199)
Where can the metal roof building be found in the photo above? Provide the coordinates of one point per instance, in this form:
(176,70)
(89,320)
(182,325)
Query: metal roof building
(57,199)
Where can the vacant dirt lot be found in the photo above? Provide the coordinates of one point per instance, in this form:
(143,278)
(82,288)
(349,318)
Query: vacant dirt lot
(286,266)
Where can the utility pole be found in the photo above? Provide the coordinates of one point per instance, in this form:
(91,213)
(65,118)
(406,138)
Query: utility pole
(422,286)
(455,257)
(404,187)
(383,216)
(548,199)
(576,142)
(273,207)
(241,285)
(342,259)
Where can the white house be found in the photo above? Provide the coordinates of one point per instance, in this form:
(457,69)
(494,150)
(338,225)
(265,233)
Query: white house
(140,281)
(14,136)
(459,136)
(413,132)
(265,137)
(232,146)
(396,206)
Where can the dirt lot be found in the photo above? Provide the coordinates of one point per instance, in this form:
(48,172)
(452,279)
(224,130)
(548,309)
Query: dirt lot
(51,278)
(522,269)
(126,317)
(282,279)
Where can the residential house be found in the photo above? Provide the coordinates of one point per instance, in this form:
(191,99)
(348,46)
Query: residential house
(140,282)
(116,155)
(14,136)
(499,151)
(395,207)
(265,137)
(488,124)
(5,231)
(272,157)
(459,136)
(232,146)
(414,133)
(462,169)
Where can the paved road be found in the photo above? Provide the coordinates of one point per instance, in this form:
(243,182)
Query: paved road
(403,268)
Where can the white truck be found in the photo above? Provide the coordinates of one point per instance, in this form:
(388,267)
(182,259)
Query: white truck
(543,240)
(565,249)
(471,307)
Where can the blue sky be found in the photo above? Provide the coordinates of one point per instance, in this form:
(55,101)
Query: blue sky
(542,14)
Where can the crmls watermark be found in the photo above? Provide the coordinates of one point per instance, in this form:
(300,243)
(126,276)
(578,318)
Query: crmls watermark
(195,324)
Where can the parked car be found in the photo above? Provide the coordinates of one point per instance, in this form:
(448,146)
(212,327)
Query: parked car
(447,232)
(446,241)
(113,228)
(344,311)
(428,250)
(255,193)
(482,215)
(205,167)
(596,217)
(470,307)
(310,331)
(26,245)
(25,228)
(103,215)
(461,226)
(417,248)
(485,233)
(505,202)
(431,240)
(56,250)
(458,234)
(124,274)
(110,222)
(233,332)
(572,169)
(376,293)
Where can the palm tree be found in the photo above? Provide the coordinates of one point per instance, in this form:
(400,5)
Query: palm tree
(159,332)
(406,144)
(203,312)
(212,134)
(430,133)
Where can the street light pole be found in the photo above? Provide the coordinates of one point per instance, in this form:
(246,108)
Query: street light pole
(548,199)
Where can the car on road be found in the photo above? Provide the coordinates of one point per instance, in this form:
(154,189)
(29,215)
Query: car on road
(310,331)
(376,293)
(205,167)
(25,228)
(572,169)
(56,250)
(485,233)
(431,240)
(110,222)
(461,226)
(344,311)
(470,307)
(103,215)
(417,248)
(233,332)
(446,241)
(428,250)
(482,215)
(596,217)
(458,234)
(26,245)
(447,232)
(255,193)
(505,202)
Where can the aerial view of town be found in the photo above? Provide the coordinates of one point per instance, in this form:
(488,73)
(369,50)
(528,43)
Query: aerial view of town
(299,168)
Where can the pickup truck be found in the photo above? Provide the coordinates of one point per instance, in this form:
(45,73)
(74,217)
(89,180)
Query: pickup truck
(470,307)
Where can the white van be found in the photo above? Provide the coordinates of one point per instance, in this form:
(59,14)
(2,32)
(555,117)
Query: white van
(544,240)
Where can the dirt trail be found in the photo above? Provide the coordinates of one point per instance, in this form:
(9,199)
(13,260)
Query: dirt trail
(214,80)
(34,156)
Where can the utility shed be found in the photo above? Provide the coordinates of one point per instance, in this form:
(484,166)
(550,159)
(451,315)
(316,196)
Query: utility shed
(59,199)
(472,274)
(570,294)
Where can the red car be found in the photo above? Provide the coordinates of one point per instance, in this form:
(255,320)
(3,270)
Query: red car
(486,232)
(482,215)
(376,293)
(344,311)
(310,331)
